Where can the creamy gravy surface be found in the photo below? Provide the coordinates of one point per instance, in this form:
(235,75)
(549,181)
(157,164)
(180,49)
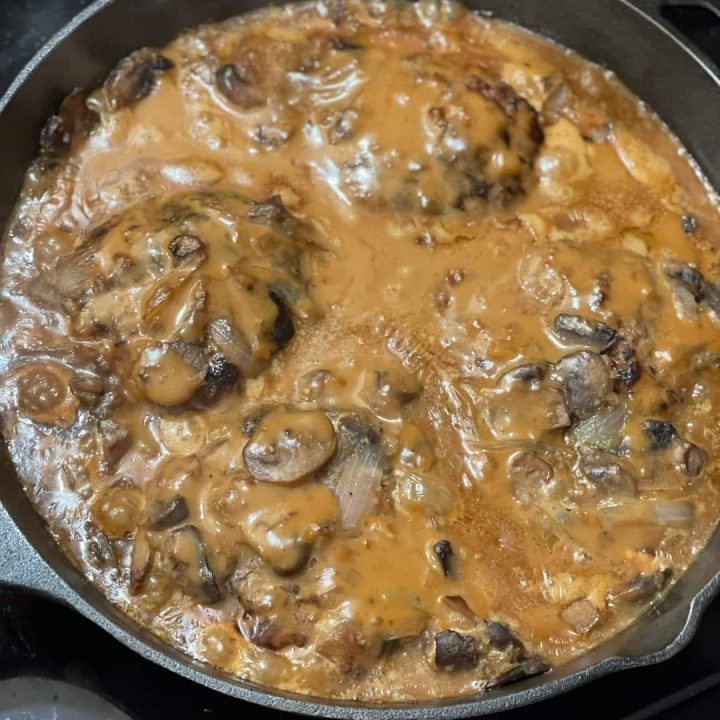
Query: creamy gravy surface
(366,350)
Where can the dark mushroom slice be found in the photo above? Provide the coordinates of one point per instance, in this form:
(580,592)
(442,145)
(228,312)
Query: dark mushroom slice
(531,477)
(221,377)
(444,552)
(659,433)
(268,633)
(690,458)
(528,373)
(608,476)
(73,124)
(500,635)
(585,381)
(527,668)
(642,587)
(116,441)
(273,213)
(233,84)
(232,345)
(289,445)
(87,388)
(134,78)
(686,276)
(356,472)
(624,362)
(167,514)
(455,651)
(711,296)
(188,560)
(170,373)
(186,247)
(283,329)
(689,224)
(578,330)
(43,394)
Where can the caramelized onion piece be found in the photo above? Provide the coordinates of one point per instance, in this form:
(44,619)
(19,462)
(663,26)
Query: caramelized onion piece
(357,471)
(289,445)
(189,564)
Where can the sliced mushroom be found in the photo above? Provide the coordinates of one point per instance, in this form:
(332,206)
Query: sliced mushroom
(605,473)
(289,445)
(73,124)
(527,668)
(186,248)
(444,552)
(272,212)
(586,382)
(43,394)
(660,433)
(623,359)
(232,82)
(528,373)
(221,376)
(116,441)
(232,345)
(170,373)
(189,564)
(642,587)
(286,553)
(690,458)
(578,330)
(134,78)
(531,477)
(167,514)
(582,616)
(687,276)
(500,636)
(454,651)
(268,633)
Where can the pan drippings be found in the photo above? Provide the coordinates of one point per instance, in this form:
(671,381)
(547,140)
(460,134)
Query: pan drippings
(366,350)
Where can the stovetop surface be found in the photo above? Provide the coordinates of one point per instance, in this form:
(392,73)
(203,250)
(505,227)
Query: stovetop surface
(56,665)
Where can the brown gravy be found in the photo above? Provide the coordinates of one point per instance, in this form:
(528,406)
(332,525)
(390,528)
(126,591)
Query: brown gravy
(366,350)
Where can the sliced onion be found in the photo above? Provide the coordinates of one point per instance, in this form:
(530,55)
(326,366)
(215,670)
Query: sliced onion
(357,482)
(233,345)
(600,430)
(675,513)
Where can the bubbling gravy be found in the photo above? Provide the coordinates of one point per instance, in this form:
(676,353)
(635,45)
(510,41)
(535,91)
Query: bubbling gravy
(366,350)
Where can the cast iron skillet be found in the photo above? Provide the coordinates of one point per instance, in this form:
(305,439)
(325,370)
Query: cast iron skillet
(627,36)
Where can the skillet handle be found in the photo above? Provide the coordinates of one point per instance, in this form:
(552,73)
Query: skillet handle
(21,566)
